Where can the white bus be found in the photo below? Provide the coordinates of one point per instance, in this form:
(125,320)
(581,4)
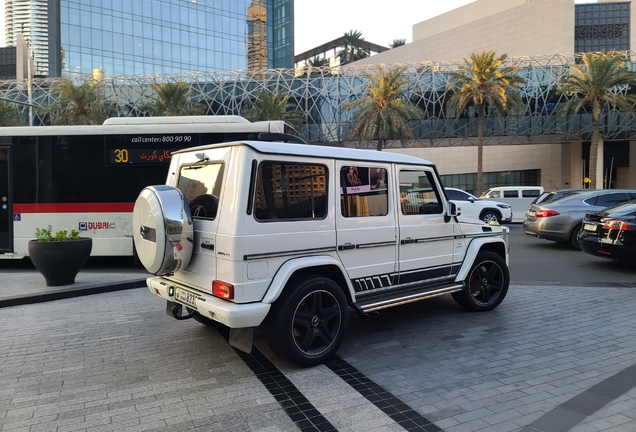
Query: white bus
(87,178)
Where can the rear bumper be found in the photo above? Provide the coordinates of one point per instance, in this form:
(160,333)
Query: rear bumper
(546,229)
(230,314)
(619,252)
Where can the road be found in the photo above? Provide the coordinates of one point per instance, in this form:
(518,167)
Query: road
(549,358)
(536,261)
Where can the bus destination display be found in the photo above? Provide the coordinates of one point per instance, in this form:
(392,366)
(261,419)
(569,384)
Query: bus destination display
(145,149)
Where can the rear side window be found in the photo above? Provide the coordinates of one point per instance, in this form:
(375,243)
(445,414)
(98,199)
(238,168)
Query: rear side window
(290,191)
(363,191)
(611,199)
(456,195)
(201,185)
(530,193)
(511,194)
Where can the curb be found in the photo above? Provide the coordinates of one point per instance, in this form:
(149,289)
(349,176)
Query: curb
(70,293)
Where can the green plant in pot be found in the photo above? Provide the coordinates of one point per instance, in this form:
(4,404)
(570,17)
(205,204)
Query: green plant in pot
(61,256)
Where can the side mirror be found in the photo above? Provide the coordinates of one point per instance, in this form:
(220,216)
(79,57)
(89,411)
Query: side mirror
(453,209)
(471,199)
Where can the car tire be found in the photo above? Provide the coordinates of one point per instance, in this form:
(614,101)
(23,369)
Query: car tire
(486,284)
(488,216)
(573,237)
(306,325)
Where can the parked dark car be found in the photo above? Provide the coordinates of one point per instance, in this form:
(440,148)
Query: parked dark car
(611,233)
(560,220)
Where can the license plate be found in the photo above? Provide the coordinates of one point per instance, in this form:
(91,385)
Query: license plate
(186,297)
(589,227)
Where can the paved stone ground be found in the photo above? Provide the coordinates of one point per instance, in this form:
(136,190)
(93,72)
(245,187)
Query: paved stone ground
(116,362)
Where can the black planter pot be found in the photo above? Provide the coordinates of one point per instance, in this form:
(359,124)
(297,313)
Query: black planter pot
(60,261)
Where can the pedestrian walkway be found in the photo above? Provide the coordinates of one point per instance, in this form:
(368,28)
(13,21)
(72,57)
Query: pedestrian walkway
(22,284)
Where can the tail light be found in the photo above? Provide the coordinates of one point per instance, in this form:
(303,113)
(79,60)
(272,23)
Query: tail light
(618,225)
(546,213)
(223,290)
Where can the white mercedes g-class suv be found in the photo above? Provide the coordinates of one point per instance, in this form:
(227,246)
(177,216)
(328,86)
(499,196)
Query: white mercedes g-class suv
(294,236)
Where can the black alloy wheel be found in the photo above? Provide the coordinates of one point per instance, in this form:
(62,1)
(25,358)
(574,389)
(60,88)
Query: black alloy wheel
(486,285)
(307,324)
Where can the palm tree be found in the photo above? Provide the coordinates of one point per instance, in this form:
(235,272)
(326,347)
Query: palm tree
(397,42)
(486,83)
(317,61)
(9,114)
(353,46)
(595,84)
(82,104)
(274,106)
(173,99)
(384,113)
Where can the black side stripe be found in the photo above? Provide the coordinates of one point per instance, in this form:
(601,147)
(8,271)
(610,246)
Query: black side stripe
(297,407)
(400,412)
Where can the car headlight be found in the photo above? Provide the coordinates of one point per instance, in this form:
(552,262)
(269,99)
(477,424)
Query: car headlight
(506,206)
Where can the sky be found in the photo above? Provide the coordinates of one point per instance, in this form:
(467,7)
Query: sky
(319,22)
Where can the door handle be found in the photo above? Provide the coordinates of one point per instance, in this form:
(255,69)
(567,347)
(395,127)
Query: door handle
(346,246)
(408,240)
(207,246)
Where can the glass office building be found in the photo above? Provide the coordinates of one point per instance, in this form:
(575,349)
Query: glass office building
(123,37)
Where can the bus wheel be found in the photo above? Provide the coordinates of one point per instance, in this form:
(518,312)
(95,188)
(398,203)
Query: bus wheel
(307,323)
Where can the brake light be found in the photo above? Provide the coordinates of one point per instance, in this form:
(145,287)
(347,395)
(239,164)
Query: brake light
(223,290)
(618,225)
(546,213)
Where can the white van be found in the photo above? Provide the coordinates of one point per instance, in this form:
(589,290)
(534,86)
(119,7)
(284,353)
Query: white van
(518,197)
(293,237)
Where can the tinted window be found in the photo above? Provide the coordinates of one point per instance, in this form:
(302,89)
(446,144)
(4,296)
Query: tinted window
(530,193)
(363,191)
(511,194)
(419,194)
(201,185)
(457,195)
(290,191)
(611,199)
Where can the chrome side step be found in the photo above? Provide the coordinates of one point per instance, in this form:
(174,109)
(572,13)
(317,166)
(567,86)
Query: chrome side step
(388,300)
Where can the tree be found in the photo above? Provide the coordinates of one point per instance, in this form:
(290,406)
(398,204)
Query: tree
(9,114)
(82,104)
(274,106)
(173,99)
(486,83)
(397,43)
(596,84)
(353,46)
(317,61)
(384,112)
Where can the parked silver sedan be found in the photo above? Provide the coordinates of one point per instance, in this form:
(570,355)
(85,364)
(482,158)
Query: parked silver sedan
(560,220)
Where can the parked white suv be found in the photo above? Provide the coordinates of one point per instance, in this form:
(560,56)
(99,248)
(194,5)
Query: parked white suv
(293,236)
(477,208)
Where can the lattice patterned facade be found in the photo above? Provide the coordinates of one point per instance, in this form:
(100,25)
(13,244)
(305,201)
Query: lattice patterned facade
(321,93)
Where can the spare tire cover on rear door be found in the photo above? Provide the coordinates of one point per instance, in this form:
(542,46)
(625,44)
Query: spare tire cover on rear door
(162,229)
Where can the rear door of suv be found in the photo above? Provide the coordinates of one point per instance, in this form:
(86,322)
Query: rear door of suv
(366,224)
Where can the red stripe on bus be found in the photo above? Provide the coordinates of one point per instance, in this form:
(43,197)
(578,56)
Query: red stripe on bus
(74,208)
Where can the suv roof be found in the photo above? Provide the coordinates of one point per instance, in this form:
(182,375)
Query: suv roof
(316,151)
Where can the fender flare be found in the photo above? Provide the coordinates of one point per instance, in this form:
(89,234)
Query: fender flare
(473,250)
(286,271)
